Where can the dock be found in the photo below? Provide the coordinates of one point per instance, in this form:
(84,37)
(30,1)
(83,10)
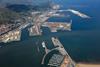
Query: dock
(35,30)
(58,60)
(63,52)
(82,15)
(54,26)
(14,35)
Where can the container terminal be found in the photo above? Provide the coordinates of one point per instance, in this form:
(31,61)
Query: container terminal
(62,59)
(54,26)
(35,30)
(14,34)
(38,20)
(11,36)
(41,21)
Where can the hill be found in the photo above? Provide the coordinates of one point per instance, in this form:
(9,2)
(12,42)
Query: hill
(7,15)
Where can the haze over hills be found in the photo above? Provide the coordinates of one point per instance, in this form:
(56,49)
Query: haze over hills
(7,15)
(25,2)
(20,6)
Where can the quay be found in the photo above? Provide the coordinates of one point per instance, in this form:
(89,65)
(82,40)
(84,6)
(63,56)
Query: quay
(54,26)
(11,36)
(35,30)
(14,34)
(78,13)
(58,60)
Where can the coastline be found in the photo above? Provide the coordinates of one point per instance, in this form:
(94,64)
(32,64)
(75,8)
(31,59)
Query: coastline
(88,64)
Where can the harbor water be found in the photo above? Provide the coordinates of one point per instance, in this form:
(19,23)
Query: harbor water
(82,43)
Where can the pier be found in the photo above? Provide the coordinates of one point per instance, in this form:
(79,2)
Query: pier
(11,36)
(35,30)
(60,48)
(54,26)
(78,13)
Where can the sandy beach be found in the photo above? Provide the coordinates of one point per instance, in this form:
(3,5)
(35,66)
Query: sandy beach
(87,65)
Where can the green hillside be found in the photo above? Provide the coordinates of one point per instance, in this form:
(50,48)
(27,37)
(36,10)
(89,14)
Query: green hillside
(7,15)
